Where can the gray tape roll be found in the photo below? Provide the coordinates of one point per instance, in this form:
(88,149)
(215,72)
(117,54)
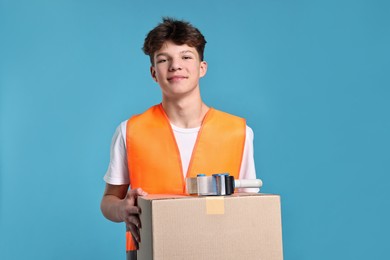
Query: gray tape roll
(206,185)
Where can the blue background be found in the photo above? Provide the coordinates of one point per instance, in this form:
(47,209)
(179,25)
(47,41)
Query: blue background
(311,77)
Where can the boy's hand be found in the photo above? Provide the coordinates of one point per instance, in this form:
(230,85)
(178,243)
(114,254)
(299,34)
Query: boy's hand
(129,212)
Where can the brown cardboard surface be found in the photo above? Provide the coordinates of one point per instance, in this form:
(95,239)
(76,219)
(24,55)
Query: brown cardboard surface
(241,226)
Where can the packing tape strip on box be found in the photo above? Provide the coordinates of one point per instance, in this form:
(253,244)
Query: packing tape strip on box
(215,205)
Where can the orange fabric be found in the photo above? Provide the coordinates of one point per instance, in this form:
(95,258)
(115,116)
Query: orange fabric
(153,155)
(131,245)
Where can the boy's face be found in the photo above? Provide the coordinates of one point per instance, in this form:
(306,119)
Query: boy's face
(177,69)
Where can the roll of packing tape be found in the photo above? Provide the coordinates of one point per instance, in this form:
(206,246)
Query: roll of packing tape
(206,185)
(220,183)
(229,181)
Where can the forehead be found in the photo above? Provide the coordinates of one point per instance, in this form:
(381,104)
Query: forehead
(171,48)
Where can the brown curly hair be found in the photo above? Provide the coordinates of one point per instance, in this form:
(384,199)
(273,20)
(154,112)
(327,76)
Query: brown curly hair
(178,31)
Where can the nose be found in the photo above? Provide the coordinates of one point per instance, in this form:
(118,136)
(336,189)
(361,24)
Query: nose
(175,65)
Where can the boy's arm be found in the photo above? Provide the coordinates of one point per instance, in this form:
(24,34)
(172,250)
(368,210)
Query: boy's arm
(120,205)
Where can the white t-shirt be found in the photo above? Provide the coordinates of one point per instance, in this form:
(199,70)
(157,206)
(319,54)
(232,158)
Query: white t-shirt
(117,172)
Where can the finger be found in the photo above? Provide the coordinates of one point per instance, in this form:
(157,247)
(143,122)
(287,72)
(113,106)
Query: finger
(141,192)
(132,219)
(131,197)
(137,192)
(133,210)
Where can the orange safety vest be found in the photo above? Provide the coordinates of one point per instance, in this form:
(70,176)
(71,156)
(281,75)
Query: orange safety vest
(153,157)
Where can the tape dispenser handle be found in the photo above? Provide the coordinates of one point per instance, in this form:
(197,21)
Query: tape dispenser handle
(256,183)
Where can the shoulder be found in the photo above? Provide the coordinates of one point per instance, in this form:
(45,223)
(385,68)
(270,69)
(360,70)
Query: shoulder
(122,128)
(225,120)
(226,115)
(147,113)
(249,133)
(119,136)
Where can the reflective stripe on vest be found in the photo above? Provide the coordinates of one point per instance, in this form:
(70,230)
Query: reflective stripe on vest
(154,159)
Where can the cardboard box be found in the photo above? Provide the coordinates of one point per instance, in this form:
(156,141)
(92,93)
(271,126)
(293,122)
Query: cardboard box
(240,226)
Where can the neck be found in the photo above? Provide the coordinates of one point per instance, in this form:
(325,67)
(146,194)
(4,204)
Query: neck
(185,113)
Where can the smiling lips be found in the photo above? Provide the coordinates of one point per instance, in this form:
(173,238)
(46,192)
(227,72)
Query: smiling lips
(176,78)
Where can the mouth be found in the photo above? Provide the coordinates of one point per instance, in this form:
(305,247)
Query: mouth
(176,78)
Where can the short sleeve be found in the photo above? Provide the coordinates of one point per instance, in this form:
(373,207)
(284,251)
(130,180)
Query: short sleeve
(117,172)
(248,170)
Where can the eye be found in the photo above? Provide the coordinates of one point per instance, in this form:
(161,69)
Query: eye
(161,60)
(187,57)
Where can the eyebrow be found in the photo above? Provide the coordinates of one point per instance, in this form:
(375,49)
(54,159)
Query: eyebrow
(166,54)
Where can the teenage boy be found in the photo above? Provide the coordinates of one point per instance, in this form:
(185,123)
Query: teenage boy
(155,151)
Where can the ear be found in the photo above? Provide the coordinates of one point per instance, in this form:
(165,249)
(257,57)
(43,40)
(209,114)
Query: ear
(202,69)
(153,73)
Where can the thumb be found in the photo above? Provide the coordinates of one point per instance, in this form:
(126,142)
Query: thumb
(141,192)
(137,192)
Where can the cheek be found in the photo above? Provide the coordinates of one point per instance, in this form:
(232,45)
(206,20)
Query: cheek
(159,71)
(158,75)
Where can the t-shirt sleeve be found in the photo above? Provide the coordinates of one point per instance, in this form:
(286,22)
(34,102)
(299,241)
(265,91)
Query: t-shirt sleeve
(117,172)
(248,170)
